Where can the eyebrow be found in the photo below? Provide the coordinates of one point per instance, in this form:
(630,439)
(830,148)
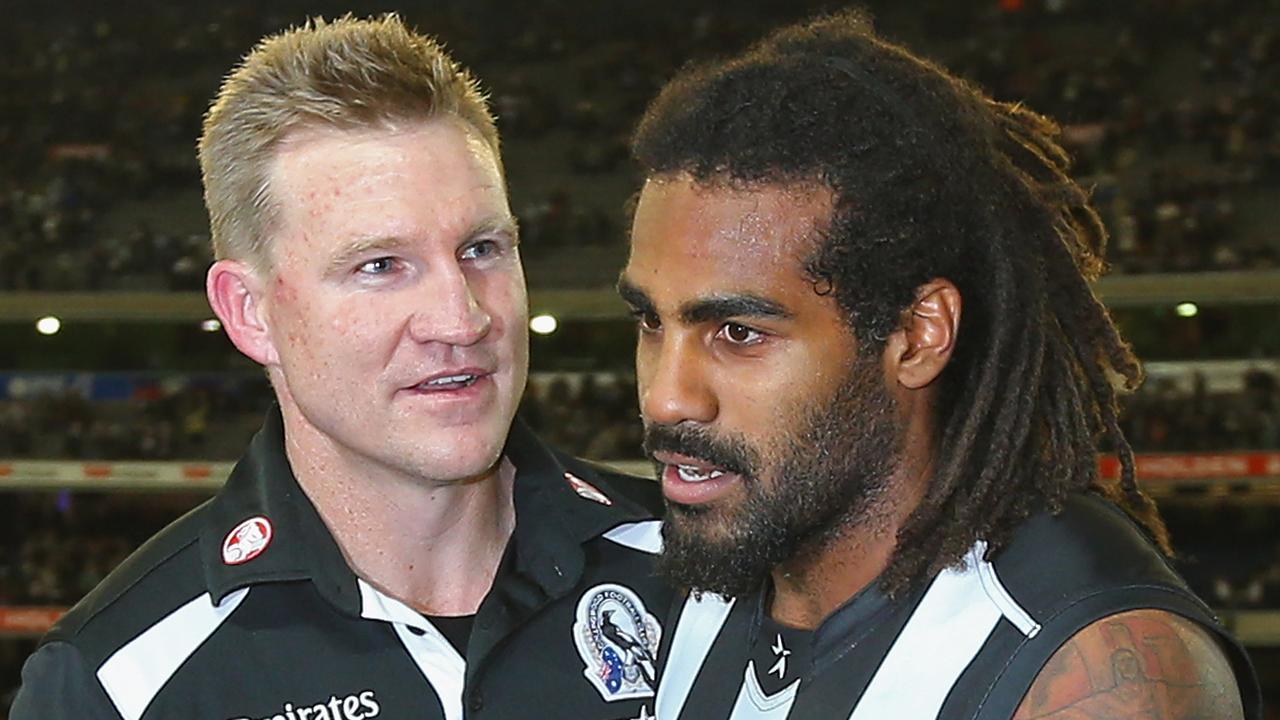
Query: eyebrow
(366,244)
(709,309)
(508,225)
(361,246)
(634,296)
(731,305)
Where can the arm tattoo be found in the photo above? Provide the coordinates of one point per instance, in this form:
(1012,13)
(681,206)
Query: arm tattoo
(1138,665)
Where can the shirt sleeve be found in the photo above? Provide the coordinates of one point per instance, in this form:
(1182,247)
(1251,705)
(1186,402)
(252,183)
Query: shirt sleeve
(56,685)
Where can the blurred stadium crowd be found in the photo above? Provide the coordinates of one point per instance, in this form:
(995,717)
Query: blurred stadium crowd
(1170,107)
(1164,417)
(210,416)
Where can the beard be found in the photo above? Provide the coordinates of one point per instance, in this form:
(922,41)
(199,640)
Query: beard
(825,474)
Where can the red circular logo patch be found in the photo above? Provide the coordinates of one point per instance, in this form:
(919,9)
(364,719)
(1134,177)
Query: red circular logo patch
(246,541)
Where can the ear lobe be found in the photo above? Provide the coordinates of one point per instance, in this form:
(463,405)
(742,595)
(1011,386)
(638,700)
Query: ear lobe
(235,294)
(921,349)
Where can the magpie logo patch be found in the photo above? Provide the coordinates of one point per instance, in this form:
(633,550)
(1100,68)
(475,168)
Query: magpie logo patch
(247,541)
(617,639)
(586,489)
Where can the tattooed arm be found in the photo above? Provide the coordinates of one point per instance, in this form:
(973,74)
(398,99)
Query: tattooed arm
(1138,665)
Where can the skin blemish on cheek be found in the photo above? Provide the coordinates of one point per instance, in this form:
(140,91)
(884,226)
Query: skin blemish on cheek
(344,324)
(283,290)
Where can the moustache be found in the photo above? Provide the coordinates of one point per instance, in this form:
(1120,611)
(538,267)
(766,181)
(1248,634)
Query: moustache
(730,454)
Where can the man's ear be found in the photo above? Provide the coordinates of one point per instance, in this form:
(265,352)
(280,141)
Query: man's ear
(920,349)
(235,293)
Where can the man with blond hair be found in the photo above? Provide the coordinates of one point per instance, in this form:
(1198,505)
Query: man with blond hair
(394,543)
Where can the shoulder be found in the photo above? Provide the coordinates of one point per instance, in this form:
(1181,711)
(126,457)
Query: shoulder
(1086,572)
(1088,532)
(161,575)
(1098,556)
(1142,663)
(56,683)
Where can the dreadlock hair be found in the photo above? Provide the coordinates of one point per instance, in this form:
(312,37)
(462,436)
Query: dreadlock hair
(932,179)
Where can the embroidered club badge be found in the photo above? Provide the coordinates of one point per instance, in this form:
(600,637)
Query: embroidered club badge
(617,639)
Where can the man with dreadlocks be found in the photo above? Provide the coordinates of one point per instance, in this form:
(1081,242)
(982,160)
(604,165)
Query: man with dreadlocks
(873,377)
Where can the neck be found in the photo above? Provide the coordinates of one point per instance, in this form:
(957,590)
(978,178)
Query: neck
(807,590)
(434,546)
(812,586)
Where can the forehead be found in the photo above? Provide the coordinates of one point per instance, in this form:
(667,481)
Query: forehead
(428,179)
(725,237)
(313,155)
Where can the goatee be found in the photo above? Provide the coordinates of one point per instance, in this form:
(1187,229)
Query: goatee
(798,494)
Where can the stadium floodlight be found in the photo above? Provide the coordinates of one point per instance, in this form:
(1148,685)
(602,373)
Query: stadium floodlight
(48,325)
(543,324)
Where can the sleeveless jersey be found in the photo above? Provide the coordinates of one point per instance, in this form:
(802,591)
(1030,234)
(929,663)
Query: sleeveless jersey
(968,645)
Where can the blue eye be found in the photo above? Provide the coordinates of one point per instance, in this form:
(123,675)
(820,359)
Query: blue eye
(480,250)
(378,266)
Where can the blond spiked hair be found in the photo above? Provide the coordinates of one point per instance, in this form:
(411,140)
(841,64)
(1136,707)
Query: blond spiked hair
(346,74)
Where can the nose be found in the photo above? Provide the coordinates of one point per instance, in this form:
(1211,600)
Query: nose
(450,313)
(673,378)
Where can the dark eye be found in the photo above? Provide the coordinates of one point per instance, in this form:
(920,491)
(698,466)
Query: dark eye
(739,334)
(647,320)
(378,266)
(479,250)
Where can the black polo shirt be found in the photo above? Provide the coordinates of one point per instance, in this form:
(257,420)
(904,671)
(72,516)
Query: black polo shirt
(245,609)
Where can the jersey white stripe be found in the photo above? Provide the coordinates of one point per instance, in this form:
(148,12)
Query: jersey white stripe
(1013,612)
(753,704)
(434,655)
(700,623)
(645,536)
(135,673)
(944,634)
(443,667)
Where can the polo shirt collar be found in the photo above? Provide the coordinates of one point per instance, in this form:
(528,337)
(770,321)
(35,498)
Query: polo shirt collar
(262,485)
(554,517)
(560,504)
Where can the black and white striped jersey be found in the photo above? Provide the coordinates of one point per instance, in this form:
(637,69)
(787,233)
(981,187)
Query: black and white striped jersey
(246,610)
(965,647)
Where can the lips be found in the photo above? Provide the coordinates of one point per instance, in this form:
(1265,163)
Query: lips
(697,474)
(451,380)
(691,481)
(453,385)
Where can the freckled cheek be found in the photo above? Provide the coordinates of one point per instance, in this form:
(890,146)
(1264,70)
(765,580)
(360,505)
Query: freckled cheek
(284,291)
(356,329)
(290,317)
